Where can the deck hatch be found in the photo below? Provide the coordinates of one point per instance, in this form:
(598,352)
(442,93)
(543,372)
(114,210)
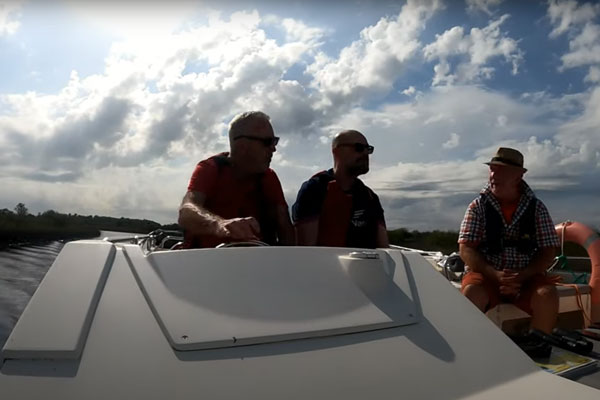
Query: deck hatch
(213,298)
(55,323)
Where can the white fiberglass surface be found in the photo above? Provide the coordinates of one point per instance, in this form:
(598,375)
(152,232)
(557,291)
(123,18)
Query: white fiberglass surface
(227,297)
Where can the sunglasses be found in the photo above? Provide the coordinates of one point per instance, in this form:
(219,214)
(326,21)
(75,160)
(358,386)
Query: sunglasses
(359,147)
(266,141)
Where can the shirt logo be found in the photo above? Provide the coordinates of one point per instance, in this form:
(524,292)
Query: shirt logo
(358,220)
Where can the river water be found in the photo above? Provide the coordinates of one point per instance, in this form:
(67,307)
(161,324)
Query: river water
(21,271)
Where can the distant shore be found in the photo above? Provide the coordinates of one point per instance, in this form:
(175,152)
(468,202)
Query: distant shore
(20,227)
(24,238)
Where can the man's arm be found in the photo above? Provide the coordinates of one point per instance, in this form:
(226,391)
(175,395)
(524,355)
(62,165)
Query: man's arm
(195,219)
(540,262)
(285,229)
(477,262)
(382,236)
(307,232)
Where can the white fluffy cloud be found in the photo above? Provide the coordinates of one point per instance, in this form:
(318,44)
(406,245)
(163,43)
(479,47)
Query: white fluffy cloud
(474,51)
(580,22)
(369,64)
(9,17)
(567,14)
(156,103)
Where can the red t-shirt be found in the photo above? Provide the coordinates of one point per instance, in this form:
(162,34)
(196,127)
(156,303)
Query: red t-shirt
(229,197)
(508,210)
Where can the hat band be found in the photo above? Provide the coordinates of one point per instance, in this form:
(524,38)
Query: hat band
(507,161)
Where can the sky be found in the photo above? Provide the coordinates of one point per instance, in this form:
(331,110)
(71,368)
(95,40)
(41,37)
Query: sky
(106,107)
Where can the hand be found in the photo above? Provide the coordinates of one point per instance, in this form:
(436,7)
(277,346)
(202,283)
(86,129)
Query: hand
(241,229)
(510,282)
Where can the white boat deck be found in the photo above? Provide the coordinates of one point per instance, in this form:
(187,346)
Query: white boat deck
(447,349)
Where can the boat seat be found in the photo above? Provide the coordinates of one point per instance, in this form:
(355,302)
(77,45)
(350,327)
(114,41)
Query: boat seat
(564,291)
(504,313)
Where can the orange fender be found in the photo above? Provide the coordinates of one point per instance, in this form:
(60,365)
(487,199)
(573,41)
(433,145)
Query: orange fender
(577,232)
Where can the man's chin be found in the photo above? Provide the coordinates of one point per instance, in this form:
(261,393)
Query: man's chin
(359,171)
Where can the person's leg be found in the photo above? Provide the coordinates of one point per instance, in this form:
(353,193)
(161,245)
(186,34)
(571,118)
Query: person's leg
(475,288)
(539,298)
(544,307)
(478,296)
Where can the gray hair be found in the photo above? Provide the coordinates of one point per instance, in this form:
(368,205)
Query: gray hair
(243,122)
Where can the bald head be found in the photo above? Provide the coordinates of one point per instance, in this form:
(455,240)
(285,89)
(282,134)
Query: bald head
(351,153)
(348,136)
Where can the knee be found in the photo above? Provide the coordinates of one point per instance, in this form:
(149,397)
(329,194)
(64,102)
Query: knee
(474,291)
(546,293)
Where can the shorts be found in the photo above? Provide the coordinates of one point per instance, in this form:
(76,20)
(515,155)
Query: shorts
(523,298)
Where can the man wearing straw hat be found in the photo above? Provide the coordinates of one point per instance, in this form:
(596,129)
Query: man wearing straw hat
(507,241)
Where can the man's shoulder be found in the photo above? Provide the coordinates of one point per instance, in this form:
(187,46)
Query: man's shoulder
(315,186)
(360,185)
(217,160)
(271,176)
(321,178)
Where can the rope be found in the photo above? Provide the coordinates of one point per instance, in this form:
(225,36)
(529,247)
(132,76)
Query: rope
(578,299)
(562,259)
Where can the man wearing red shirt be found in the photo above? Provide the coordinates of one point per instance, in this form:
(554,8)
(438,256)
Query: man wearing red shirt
(235,196)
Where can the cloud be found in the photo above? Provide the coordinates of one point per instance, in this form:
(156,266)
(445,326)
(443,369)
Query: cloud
(568,14)
(477,48)
(368,65)
(298,31)
(584,49)
(410,91)
(426,182)
(9,17)
(594,74)
(484,6)
(578,21)
(146,106)
(452,142)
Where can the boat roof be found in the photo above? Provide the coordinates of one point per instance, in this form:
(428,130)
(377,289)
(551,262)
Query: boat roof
(110,321)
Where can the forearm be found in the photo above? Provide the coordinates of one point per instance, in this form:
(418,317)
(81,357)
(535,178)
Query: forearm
(287,235)
(196,219)
(382,236)
(307,232)
(540,262)
(476,261)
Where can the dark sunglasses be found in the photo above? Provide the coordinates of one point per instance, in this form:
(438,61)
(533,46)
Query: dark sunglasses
(266,141)
(359,147)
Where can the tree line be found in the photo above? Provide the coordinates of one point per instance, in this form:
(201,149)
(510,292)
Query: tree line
(19,226)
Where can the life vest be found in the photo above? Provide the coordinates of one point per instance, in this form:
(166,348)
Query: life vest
(266,213)
(495,233)
(343,223)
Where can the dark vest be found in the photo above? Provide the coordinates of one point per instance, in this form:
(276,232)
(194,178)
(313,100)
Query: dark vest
(496,241)
(361,229)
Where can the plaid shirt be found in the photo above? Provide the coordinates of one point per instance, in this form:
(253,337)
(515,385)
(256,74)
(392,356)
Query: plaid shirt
(472,229)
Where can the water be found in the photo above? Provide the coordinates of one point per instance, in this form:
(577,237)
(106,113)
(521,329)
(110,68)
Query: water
(21,271)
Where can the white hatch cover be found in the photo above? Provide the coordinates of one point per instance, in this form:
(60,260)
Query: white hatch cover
(211,298)
(56,321)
